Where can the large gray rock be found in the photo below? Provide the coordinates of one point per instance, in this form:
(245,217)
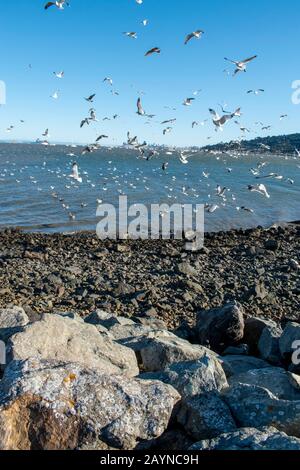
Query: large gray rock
(284,385)
(158,350)
(53,406)
(236,365)
(246,439)
(256,407)
(290,335)
(253,331)
(220,327)
(268,345)
(194,377)
(205,416)
(67,340)
(12,320)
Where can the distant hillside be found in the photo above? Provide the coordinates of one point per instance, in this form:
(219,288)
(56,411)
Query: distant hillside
(284,144)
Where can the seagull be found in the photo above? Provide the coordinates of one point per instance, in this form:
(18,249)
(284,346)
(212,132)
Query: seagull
(75,173)
(219,121)
(241,65)
(255,92)
(246,209)
(108,80)
(188,101)
(90,99)
(169,121)
(59,74)
(297,152)
(145,22)
(261,189)
(46,133)
(55,95)
(84,121)
(211,208)
(60,4)
(196,34)
(101,137)
(283,116)
(131,35)
(154,50)
(167,130)
(165,166)
(183,158)
(140,110)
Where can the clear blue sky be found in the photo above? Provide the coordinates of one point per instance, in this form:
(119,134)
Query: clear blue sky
(86,42)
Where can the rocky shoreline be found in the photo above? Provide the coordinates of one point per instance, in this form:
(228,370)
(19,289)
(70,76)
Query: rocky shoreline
(142,345)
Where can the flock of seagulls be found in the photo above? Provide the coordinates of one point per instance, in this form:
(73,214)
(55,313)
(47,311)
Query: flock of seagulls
(221,196)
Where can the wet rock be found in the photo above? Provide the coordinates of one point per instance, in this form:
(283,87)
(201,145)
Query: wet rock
(220,327)
(193,378)
(256,407)
(12,320)
(64,339)
(246,439)
(47,405)
(268,344)
(205,416)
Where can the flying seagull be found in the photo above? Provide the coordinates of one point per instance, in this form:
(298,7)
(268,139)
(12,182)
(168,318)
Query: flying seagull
(75,173)
(90,99)
(140,110)
(59,74)
(188,101)
(195,34)
(154,50)
(132,35)
(241,66)
(255,92)
(60,4)
(220,121)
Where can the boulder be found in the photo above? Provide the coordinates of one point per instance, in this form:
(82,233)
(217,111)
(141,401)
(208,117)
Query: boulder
(205,416)
(12,320)
(194,377)
(253,331)
(256,407)
(48,405)
(288,339)
(220,327)
(67,340)
(235,365)
(268,344)
(158,350)
(246,439)
(284,385)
